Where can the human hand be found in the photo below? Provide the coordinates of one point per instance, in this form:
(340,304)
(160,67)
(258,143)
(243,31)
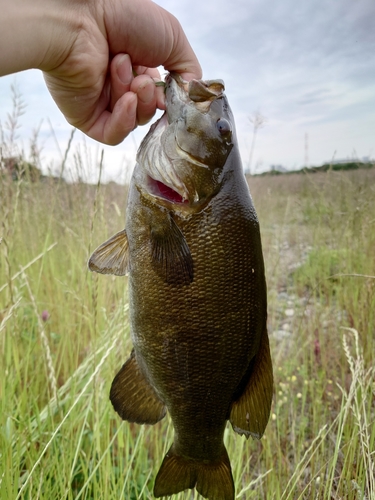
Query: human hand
(88,50)
(115,104)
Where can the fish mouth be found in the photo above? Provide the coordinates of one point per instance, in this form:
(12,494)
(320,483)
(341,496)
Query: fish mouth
(161,190)
(202,93)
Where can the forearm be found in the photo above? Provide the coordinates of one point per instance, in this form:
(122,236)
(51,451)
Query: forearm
(35,33)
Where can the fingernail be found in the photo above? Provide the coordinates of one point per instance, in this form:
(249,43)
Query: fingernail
(146,93)
(124,69)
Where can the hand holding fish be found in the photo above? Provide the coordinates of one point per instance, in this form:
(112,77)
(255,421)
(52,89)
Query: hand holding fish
(88,51)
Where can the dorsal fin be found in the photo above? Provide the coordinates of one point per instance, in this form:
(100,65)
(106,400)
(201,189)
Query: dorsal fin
(250,412)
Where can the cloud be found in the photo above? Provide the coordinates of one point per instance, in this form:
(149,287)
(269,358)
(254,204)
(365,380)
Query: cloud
(309,67)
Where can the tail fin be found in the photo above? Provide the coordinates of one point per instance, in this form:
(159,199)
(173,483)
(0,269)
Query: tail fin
(213,480)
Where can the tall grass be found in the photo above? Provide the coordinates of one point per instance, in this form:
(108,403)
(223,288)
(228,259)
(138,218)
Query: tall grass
(64,334)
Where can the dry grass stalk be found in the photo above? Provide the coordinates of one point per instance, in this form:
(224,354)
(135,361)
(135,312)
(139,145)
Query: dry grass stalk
(47,351)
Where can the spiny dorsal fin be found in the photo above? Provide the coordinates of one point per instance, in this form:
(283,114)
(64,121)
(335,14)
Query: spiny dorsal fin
(112,256)
(171,253)
(250,412)
(133,397)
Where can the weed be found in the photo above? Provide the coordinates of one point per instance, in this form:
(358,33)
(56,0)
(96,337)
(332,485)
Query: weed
(64,334)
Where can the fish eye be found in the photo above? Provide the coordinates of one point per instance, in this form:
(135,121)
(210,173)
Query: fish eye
(223,126)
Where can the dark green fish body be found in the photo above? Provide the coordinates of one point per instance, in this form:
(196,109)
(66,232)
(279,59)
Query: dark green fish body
(197,291)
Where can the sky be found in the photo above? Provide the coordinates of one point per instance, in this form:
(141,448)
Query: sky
(308,68)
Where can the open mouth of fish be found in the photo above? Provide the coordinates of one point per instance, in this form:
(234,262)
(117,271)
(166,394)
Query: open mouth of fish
(161,190)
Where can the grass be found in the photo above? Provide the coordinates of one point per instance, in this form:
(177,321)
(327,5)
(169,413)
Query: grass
(64,334)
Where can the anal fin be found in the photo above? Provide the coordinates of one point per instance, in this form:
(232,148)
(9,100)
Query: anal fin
(213,480)
(250,412)
(133,397)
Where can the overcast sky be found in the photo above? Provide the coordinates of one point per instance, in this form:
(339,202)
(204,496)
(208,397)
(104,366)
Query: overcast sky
(308,67)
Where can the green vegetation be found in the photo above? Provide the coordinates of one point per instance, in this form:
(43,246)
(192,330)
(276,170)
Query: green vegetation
(326,167)
(64,334)
(350,165)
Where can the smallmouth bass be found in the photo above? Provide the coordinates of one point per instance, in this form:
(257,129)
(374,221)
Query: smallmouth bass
(197,291)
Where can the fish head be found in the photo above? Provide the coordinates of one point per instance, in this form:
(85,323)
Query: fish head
(183,158)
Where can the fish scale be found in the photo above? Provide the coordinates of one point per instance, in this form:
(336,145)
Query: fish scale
(197,292)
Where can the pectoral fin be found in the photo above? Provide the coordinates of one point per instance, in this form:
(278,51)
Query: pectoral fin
(133,397)
(112,256)
(170,252)
(250,412)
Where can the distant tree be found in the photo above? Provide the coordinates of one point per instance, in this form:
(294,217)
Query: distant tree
(18,169)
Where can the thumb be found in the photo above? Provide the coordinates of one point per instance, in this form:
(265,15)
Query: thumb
(182,58)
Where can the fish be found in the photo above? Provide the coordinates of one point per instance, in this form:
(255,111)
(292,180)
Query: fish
(197,291)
